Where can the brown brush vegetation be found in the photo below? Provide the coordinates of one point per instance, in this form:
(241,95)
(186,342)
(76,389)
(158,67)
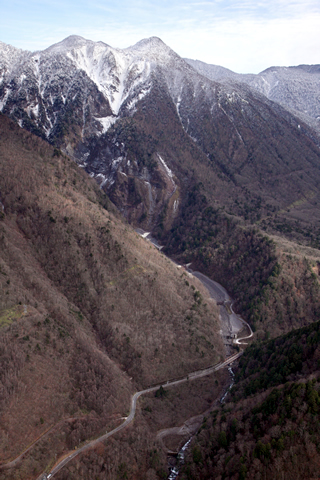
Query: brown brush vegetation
(274,282)
(89,311)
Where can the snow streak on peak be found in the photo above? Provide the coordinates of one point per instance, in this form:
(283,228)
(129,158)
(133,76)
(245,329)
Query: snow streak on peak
(150,46)
(10,55)
(118,74)
(150,42)
(114,71)
(70,43)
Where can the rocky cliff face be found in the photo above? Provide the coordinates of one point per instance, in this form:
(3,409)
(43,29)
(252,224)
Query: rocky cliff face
(149,126)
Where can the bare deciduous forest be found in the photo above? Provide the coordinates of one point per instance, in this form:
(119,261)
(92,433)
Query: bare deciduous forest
(89,313)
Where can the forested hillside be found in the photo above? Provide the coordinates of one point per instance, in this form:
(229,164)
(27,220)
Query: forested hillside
(269,427)
(89,311)
(95,142)
(275,287)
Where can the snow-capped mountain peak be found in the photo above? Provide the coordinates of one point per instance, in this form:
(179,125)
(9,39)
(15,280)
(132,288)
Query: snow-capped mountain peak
(296,88)
(153,49)
(113,110)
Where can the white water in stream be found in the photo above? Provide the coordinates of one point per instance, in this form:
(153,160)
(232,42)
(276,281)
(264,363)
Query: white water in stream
(181,455)
(180,461)
(230,386)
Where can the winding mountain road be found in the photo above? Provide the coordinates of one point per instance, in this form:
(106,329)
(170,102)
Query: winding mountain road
(129,419)
(230,323)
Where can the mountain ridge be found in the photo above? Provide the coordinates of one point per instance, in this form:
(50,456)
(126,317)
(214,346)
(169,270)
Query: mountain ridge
(295,88)
(211,169)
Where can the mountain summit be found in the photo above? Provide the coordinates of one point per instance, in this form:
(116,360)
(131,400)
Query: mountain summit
(131,116)
(212,166)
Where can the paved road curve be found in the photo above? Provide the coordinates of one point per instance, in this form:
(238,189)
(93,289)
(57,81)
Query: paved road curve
(129,419)
(219,294)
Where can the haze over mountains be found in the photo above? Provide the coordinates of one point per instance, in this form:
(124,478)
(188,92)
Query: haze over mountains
(224,170)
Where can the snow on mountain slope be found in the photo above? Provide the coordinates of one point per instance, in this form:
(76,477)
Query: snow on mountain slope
(123,77)
(48,79)
(295,88)
(118,112)
(118,74)
(73,68)
(45,88)
(9,56)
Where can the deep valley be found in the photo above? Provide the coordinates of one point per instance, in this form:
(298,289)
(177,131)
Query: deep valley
(96,144)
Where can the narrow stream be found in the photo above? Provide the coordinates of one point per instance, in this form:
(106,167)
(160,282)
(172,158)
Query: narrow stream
(230,386)
(180,461)
(234,325)
(181,455)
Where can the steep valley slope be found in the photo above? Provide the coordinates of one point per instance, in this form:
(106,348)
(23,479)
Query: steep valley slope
(269,427)
(90,312)
(227,180)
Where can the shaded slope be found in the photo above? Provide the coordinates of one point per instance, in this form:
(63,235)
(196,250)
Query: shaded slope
(85,304)
(271,433)
(275,284)
(253,157)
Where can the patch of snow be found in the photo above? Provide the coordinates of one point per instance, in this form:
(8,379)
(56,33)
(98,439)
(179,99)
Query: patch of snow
(106,122)
(115,162)
(178,103)
(137,99)
(33,109)
(22,78)
(232,97)
(36,68)
(231,121)
(101,179)
(4,100)
(167,169)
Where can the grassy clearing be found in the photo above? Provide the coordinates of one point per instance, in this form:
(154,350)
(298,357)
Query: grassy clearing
(136,269)
(11,314)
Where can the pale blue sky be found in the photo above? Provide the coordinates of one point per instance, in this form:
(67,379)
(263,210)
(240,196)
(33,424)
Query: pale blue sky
(246,36)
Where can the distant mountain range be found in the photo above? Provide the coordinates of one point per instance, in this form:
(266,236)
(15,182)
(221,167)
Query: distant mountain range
(224,170)
(148,124)
(295,88)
